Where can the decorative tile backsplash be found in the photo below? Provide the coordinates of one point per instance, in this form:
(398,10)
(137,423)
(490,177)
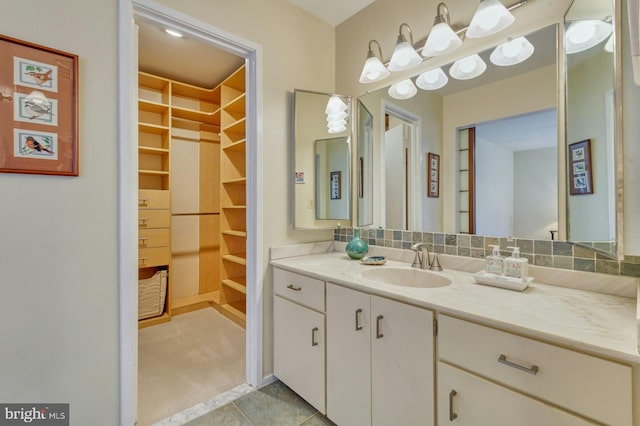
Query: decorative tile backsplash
(555,254)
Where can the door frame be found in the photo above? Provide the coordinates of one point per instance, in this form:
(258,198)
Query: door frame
(128,12)
(415,158)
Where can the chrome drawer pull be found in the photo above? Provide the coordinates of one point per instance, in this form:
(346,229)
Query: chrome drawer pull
(314,332)
(379,334)
(291,286)
(358,324)
(531,370)
(452,415)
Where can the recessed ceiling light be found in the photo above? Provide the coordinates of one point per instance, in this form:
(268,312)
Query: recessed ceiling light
(173,33)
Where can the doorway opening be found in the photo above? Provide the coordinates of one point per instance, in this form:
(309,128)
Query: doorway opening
(400,154)
(150,163)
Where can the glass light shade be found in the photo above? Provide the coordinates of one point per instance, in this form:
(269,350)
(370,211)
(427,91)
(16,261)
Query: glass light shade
(609,44)
(404,57)
(583,35)
(339,129)
(490,17)
(404,89)
(336,123)
(432,80)
(337,116)
(512,52)
(442,39)
(335,105)
(373,70)
(468,68)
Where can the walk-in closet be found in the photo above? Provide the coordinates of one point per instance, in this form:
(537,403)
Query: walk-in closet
(191,222)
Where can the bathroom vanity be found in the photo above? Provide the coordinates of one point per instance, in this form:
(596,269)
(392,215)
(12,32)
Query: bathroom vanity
(367,350)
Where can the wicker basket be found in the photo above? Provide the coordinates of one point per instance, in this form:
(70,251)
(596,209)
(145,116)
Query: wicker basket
(151,295)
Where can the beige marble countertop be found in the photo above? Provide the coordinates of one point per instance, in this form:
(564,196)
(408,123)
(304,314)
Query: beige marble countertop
(591,321)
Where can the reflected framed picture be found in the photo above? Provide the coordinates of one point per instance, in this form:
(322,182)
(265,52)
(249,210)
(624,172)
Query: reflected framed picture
(433,175)
(38,109)
(335,179)
(580,174)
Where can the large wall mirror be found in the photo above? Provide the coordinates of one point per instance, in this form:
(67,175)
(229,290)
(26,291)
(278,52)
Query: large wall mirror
(593,163)
(500,137)
(321,175)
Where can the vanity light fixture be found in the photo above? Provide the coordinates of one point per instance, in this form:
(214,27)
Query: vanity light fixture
(373,70)
(512,52)
(468,68)
(173,33)
(432,80)
(442,39)
(336,112)
(404,55)
(404,89)
(583,35)
(490,17)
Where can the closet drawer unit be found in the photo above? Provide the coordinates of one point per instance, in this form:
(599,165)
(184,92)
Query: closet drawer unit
(299,288)
(156,256)
(590,386)
(154,199)
(148,238)
(149,219)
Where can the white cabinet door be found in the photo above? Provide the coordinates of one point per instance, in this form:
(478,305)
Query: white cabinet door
(348,356)
(465,399)
(299,350)
(402,364)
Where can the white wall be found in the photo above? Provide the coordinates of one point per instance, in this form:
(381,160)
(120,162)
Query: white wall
(58,256)
(494,186)
(535,204)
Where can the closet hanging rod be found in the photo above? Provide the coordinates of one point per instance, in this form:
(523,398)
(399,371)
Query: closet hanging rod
(196,214)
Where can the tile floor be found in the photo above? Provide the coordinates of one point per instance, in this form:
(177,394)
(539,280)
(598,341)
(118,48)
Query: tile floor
(191,359)
(272,405)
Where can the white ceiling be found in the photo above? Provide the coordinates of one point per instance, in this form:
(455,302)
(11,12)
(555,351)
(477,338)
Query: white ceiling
(184,59)
(333,12)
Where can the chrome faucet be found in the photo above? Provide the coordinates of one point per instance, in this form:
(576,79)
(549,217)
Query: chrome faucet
(422,258)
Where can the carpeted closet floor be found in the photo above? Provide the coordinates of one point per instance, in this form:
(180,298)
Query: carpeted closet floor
(193,358)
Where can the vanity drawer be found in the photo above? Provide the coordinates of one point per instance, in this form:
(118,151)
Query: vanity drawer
(148,219)
(299,288)
(154,199)
(582,383)
(153,237)
(156,256)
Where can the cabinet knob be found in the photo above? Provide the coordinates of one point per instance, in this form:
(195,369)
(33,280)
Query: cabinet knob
(294,288)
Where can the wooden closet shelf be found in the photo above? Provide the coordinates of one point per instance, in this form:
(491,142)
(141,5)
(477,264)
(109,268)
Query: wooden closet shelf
(236,127)
(151,106)
(235,207)
(153,172)
(153,128)
(196,214)
(237,104)
(152,150)
(236,146)
(240,259)
(235,181)
(238,284)
(195,115)
(235,233)
(184,89)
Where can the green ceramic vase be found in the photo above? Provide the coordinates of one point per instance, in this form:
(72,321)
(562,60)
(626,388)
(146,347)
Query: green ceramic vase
(356,248)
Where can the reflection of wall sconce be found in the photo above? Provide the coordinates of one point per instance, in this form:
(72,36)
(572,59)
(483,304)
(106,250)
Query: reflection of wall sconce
(468,68)
(336,114)
(583,35)
(512,52)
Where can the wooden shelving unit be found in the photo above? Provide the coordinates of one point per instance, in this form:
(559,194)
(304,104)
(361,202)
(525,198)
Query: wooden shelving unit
(154,181)
(178,123)
(233,197)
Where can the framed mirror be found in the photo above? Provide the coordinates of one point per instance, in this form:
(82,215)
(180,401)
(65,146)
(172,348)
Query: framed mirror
(593,151)
(364,166)
(321,146)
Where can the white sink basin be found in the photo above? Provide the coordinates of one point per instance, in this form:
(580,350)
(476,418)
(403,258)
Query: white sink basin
(405,277)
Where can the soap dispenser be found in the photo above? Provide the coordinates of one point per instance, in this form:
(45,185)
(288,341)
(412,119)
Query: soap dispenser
(516,266)
(495,262)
